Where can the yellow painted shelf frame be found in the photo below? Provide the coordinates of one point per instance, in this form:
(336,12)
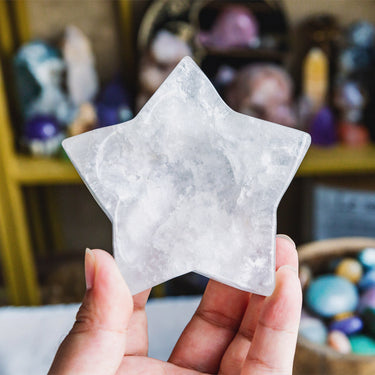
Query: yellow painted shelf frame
(338,160)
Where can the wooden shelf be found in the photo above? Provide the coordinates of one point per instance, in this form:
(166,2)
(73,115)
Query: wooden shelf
(338,160)
(30,170)
(318,161)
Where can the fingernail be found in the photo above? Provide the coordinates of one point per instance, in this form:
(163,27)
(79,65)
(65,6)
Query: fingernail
(286,238)
(89,268)
(289,267)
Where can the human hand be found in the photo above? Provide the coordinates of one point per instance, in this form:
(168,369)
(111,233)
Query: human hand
(232,332)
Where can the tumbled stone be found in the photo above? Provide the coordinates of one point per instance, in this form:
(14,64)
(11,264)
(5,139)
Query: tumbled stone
(362,344)
(367,257)
(351,269)
(368,280)
(348,326)
(313,329)
(329,295)
(338,341)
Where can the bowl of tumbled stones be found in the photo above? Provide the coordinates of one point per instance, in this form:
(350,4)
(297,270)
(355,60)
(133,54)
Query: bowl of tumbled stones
(337,329)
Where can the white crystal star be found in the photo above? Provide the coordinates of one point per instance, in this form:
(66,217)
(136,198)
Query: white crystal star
(191,185)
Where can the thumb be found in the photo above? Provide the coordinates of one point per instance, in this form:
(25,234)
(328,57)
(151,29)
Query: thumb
(96,343)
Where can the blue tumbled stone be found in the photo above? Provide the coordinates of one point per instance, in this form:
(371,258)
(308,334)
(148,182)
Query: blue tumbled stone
(329,295)
(313,329)
(367,281)
(348,326)
(367,257)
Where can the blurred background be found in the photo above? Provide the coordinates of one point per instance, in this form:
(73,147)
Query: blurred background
(67,67)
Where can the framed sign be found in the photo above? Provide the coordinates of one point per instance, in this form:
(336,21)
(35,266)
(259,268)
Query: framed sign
(342,213)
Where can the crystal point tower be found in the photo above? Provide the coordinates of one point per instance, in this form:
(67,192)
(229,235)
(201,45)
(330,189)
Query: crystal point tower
(191,185)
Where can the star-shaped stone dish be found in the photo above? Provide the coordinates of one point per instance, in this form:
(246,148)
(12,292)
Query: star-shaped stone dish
(191,185)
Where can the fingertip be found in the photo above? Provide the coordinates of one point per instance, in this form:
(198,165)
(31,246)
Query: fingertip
(103,255)
(110,293)
(287,279)
(287,238)
(106,269)
(288,285)
(286,252)
(283,307)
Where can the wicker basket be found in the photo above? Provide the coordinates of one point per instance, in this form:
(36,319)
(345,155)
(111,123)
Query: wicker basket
(313,359)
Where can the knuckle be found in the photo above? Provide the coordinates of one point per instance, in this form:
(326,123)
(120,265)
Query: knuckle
(86,319)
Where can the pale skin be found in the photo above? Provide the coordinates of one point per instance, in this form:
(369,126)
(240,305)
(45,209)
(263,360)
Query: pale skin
(231,333)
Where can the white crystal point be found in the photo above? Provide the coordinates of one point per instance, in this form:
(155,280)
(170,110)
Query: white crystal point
(191,185)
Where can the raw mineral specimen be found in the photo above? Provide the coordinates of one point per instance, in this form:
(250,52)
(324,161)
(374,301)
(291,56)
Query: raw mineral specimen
(191,185)
(39,72)
(81,77)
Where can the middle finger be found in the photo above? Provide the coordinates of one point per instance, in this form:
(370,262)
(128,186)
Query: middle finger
(137,342)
